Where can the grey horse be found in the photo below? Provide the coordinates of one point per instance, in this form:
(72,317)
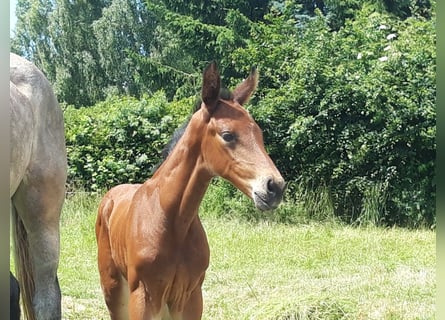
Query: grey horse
(38,171)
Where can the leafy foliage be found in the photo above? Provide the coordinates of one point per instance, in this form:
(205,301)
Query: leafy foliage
(346,95)
(343,110)
(116,141)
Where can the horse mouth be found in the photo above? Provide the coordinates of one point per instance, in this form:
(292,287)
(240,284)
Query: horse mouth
(263,203)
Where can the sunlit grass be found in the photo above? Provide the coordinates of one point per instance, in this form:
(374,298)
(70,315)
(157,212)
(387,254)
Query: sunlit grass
(319,272)
(269,270)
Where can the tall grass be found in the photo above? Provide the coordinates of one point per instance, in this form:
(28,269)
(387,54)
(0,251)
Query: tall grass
(373,204)
(224,200)
(78,242)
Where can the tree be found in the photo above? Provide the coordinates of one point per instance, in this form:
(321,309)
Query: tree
(214,12)
(85,47)
(78,76)
(56,36)
(125,29)
(346,93)
(31,38)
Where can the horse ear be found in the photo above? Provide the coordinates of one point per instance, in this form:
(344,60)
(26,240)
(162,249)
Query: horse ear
(211,83)
(244,90)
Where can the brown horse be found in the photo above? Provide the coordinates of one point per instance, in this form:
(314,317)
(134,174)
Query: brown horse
(38,170)
(152,248)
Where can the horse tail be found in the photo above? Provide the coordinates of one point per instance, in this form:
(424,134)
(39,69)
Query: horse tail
(23,265)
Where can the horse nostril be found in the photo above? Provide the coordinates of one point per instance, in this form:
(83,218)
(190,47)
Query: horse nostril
(272,187)
(269,194)
(275,188)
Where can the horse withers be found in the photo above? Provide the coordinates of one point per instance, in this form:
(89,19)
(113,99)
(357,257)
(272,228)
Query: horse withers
(38,170)
(152,249)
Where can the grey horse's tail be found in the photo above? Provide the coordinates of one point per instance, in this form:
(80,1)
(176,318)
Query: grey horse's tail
(23,265)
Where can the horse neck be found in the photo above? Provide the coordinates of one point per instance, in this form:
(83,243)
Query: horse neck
(183,180)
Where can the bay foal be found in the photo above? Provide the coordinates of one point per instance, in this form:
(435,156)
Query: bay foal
(152,248)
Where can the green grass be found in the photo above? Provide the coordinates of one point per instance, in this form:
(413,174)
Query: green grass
(269,270)
(319,272)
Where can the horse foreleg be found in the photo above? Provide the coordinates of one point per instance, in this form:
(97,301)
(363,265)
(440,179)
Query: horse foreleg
(141,306)
(193,308)
(115,290)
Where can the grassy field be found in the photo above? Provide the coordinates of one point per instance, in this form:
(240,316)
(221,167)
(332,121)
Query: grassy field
(267,270)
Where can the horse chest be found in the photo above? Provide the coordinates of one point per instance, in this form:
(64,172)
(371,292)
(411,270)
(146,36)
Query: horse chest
(174,267)
(193,255)
(185,275)
(187,257)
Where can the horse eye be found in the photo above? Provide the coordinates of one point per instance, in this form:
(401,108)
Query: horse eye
(228,136)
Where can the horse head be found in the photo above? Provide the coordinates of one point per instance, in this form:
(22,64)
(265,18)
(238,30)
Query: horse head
(232,142)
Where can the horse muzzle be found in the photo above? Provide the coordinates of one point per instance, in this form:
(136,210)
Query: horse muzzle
(268,194)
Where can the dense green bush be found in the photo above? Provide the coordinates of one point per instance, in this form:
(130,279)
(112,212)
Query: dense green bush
(352,110)
(118,140)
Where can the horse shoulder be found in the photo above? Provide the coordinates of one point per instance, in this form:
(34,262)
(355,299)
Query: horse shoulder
(147,226)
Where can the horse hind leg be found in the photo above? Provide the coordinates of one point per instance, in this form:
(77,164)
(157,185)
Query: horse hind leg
(38,210)
(114,285)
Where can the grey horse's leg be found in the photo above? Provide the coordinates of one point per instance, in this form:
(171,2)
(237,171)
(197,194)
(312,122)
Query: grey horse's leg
(39,206)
